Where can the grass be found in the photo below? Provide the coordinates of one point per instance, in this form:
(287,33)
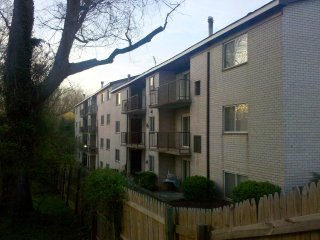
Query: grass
(51,221)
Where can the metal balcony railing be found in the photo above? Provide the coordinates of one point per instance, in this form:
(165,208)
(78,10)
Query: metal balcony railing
(170,142)
(92,109)
(134,103)
(133,139)
(84,129)
(91,149)
(174,92)
(92,129)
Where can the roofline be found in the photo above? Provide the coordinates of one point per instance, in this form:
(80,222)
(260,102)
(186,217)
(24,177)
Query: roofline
(101,89)
(229,28)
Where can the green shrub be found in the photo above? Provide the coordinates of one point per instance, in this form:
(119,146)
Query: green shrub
(198,188)
(104,190)
(146,180)
(252,189)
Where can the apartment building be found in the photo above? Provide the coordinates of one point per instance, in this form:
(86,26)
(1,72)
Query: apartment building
(241,104)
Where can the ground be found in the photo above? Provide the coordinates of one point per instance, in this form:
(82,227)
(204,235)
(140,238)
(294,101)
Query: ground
(51,221)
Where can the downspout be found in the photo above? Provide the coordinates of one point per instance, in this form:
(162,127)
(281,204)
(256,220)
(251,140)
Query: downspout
(208,115)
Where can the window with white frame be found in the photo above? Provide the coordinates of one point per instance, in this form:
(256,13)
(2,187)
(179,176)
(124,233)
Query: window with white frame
(117,126)
(118,99)
(231,180)
(151,83)
(151,163)
(107,143)
(117,155)
(102,120)
(235,118)
(102,97)
(235,52)
(151,124)
(185,169)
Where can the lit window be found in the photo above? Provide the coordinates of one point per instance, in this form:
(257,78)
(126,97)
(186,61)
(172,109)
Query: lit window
(118,99)
(235,118)
(235,52)
(151,83)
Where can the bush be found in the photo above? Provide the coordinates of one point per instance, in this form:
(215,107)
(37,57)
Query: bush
(198,188)
(146,180)
(252,189)
(104,190)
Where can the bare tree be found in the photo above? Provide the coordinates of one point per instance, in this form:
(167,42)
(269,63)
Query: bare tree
(80,23)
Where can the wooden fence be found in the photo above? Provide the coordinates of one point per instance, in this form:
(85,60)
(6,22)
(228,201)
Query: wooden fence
(294,216)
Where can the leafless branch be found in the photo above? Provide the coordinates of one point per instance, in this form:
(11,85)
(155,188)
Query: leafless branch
(6,21)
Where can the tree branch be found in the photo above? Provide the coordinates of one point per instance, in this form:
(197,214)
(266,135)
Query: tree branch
(85,65)
(6,21)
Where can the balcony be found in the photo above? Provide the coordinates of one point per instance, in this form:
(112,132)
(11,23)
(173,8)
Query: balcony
(92,129)
(176,143)
(90,149)
(83,112)
(174,94)
(84,129)
(133,139)
(92,109)
(135,104)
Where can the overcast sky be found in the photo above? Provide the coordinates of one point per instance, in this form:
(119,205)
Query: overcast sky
(185,28)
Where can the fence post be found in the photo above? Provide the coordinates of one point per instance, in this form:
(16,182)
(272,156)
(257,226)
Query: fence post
(203,232)
(169,224)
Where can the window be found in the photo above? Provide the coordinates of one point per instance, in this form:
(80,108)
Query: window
(107,143)
(108,95)
(101,164)
(118,99)
(235,52)
(151,83)
(101,142)
(102,119)
(117,126)
(102,97)
(108,119)
(185,169)
(235,118)
(151,163)
(197,144)
(231,180)
(117,155)
(151,123)
(197,88)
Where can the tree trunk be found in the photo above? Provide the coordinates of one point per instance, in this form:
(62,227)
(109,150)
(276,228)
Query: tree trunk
(19,98)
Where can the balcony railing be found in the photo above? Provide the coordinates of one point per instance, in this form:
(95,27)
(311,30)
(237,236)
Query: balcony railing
(92,129)
(90,149)
(177,143)
(134,104)
(92,109)
(133,139)
(172,93)
(84,129)
(83,112)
